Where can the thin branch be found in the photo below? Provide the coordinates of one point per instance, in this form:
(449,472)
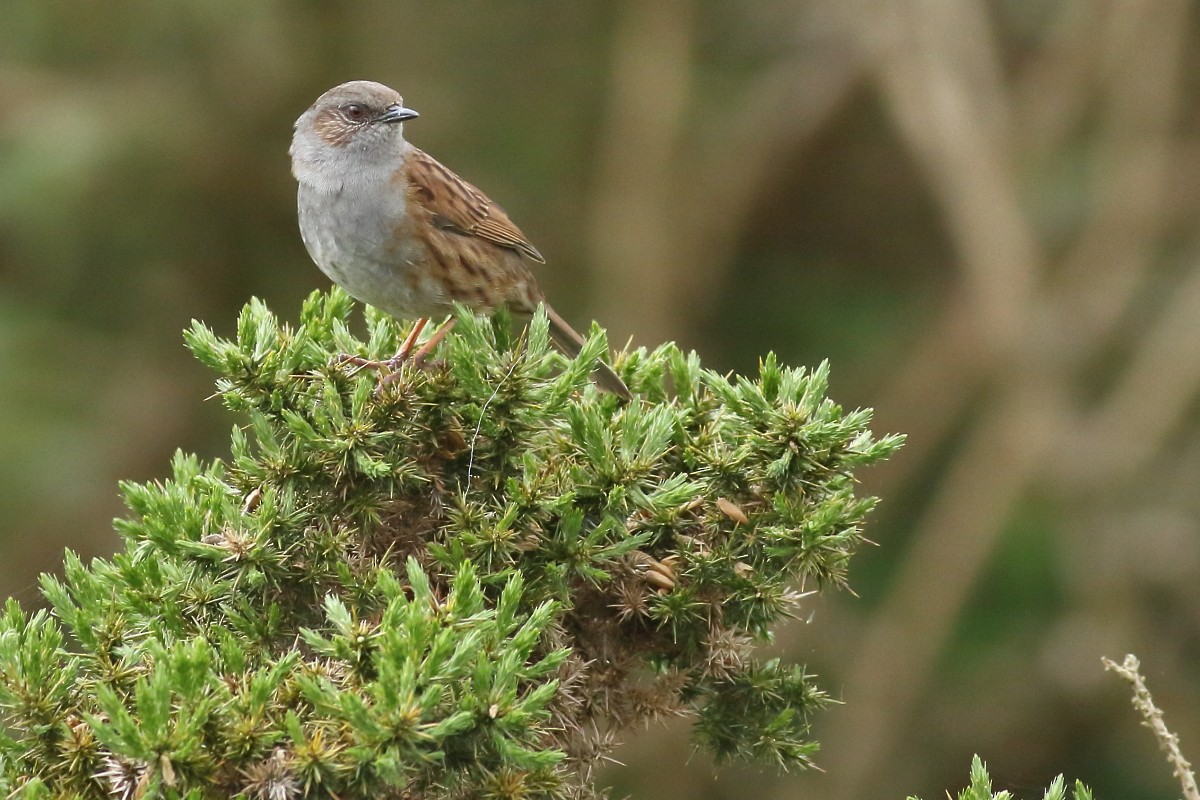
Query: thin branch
(1156,391)
(1152,718)
(1103,273)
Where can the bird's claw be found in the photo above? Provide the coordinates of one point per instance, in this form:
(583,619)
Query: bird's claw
(359,363)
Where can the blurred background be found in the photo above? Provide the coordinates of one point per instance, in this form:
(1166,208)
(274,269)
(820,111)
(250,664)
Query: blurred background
(986,214)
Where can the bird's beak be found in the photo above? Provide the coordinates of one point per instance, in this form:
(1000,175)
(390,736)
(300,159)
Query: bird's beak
(396,113)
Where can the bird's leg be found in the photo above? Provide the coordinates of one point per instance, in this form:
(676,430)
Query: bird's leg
(418,358)
(392,364)
(427,348)
(408,344)
(405,353)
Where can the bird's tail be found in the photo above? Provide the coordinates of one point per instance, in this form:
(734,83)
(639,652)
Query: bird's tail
(569,340)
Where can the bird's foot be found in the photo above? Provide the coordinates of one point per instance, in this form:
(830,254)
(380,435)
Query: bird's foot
(420,358)
(389,369)
(358,363)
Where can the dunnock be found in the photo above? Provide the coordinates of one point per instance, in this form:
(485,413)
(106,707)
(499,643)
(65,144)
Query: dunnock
(398,230)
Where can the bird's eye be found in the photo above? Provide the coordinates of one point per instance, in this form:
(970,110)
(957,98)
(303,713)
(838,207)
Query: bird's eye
(354,112)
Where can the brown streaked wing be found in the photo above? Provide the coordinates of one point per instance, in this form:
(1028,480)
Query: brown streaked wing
(456,205)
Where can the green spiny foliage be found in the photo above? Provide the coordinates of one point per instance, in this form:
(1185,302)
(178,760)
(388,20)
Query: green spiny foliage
(462,583)
(981,787)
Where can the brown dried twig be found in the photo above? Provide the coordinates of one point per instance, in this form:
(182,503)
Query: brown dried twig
(1152,718)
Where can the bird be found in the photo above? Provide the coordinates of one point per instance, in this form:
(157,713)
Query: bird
(399,231)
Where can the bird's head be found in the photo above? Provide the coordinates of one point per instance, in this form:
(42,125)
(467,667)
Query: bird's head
(356,126)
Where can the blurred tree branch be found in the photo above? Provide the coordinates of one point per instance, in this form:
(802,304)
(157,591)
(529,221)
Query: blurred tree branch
(939,69)
(678,174)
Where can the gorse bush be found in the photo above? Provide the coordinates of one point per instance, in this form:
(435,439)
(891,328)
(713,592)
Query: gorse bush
(981,787)
(464,583)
